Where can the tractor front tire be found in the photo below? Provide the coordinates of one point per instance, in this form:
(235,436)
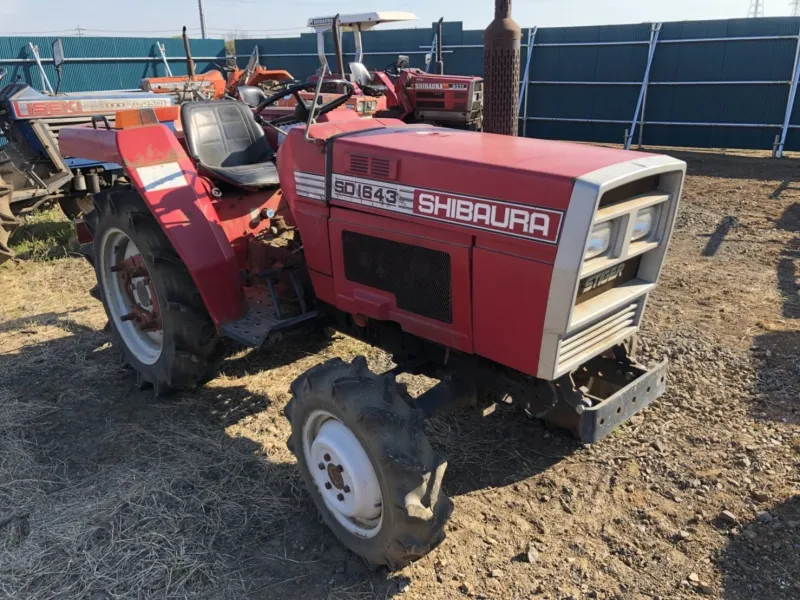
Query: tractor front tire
(367,464)
(183,354)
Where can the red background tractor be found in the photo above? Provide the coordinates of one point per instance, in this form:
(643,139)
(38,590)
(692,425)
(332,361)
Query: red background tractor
(503,267)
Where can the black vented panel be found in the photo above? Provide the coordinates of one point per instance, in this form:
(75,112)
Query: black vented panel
(381,167)
(418,277)
(359,164)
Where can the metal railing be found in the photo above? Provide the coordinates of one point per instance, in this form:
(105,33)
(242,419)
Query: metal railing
(638,119)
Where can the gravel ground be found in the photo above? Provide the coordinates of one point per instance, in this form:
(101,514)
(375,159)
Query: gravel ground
(107,493)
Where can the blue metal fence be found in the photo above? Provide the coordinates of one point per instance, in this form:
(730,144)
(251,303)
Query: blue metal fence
(103,63)
(712,84)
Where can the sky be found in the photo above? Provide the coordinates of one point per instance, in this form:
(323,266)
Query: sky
(262,18)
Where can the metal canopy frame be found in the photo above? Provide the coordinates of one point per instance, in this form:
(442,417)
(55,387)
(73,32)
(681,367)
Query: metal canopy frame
(355,23)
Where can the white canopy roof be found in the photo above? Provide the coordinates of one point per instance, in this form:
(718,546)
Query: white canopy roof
(361,21)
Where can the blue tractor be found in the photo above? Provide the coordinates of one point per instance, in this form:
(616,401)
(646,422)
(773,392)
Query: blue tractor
(32,170)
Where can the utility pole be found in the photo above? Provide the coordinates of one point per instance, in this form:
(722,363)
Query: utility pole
(80,31)
(202,19)
(756,9)
(794,6)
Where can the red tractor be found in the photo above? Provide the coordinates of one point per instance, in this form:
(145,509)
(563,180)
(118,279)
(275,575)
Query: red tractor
(503,267)
(398,91)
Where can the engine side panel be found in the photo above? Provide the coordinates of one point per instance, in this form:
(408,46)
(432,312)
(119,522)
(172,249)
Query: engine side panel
(509,304)
(403,272)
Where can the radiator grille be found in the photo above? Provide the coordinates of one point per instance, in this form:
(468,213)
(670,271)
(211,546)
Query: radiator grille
(418,277)
(589,342)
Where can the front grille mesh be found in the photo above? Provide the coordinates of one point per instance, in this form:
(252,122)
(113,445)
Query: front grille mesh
(418,277)
(597,337)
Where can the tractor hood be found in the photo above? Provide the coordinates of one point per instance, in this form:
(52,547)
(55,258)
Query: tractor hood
(24,102)
(526,171)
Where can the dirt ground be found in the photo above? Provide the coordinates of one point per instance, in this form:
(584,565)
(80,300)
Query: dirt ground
(106,492)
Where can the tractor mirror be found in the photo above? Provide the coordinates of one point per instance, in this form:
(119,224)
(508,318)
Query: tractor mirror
(58,54)
(360,73)
(428,58)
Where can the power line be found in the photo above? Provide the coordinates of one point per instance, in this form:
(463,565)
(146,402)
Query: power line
(756,9)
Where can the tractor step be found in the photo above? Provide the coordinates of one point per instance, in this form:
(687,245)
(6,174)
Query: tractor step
(261,320)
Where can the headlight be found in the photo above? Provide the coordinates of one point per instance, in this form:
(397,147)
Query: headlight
(599,240)
(643,223)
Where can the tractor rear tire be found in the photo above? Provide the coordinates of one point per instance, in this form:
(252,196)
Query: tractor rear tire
(189,344)
(8,222)
(343,414)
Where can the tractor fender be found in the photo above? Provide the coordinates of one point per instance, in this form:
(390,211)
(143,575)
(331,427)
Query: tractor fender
(179,200)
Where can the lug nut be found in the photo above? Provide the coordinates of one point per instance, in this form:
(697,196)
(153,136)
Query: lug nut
(339,468)
(327,457)
(328,485)
(340,497)
(321,466)
(347,489)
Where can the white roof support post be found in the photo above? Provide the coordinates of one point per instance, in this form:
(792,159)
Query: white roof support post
(359,48)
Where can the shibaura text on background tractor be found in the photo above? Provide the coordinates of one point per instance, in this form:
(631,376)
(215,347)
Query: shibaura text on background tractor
(494,264)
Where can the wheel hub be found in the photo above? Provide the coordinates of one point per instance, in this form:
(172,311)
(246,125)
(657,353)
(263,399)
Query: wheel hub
(335,475)
(130,296)
(343,474)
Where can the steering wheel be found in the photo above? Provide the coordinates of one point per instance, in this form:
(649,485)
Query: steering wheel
(303,109)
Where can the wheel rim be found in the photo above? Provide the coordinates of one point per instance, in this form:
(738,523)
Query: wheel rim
(343,474)
(130,296)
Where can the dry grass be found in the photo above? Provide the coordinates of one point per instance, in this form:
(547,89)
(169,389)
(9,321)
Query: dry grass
(104,492)
(175,514)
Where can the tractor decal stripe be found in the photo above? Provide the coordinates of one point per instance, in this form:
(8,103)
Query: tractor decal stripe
(25,109)
(309,185)
(506,218)
(165,176)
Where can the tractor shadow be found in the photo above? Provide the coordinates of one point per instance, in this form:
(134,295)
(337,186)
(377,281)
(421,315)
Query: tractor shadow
(204,509)
(777,354)
(763,561)
(495,451)
(787,264)
(740,166)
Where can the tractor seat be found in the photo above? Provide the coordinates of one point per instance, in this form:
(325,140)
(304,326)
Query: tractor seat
(374,89)
(228,145)
(251,95)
